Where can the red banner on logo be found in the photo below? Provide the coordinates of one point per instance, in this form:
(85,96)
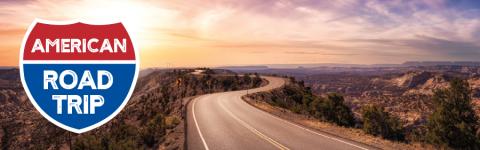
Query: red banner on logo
(78,41)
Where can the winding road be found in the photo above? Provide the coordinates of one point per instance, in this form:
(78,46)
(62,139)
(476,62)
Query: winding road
(225,121)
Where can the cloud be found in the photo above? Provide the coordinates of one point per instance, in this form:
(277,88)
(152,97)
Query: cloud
(318,53)
(428,46)
(437,46)
(350,30)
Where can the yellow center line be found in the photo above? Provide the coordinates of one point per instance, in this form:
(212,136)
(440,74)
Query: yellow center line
(258,133)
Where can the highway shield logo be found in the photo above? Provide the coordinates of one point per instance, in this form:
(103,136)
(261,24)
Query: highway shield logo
(78,75)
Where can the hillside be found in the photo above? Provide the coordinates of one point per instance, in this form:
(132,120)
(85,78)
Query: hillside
(152,119)
(404,94)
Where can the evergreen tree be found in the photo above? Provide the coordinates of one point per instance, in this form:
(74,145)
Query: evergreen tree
(247,79)
(453,122)
(334,110)
(378,122)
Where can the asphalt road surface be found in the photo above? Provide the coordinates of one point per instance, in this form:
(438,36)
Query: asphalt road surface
(225,121)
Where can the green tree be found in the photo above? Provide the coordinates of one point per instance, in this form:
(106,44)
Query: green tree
(378,122)
(334,110)
(453,122)
(247,79)
(228,83)
(257,80)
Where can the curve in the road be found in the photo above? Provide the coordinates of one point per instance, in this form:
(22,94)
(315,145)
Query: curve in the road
(198,128)
(260,134)
(225,121)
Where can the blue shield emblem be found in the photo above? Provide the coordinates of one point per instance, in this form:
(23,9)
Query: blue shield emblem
(77,75)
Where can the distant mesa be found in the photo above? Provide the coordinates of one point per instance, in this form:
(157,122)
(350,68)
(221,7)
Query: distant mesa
(441,63)
(243,67)
(334,65)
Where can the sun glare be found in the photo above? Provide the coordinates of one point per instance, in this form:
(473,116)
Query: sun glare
(132,14)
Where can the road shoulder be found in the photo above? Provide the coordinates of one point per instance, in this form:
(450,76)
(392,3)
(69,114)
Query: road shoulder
(353,134)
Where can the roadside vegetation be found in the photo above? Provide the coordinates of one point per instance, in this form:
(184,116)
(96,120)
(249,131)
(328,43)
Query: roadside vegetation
(452,125)
(378,122)
(299,99)
(152,119)
(158,111)
(453,122)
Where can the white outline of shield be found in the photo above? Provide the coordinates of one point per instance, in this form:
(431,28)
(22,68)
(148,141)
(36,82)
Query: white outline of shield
(59,124)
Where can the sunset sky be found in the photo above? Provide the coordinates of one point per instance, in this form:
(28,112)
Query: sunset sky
(186,33)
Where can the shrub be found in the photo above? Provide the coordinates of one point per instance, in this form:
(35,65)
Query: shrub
(378,122)
(257,80)
(87,142)
(333,109)
(247,79)
(171,121)
(154,130)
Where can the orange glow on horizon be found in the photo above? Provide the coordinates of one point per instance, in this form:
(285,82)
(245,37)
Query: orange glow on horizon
(222,33)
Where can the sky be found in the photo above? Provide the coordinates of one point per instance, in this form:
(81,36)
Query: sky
(194,33)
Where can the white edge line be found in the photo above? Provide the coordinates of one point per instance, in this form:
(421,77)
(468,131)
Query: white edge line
(246,125)
(78,61)
(306,129)
(196,125)
(326,136)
